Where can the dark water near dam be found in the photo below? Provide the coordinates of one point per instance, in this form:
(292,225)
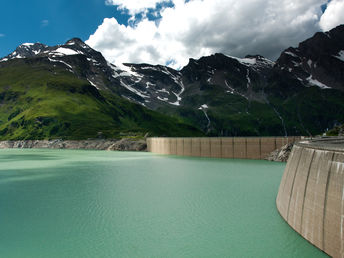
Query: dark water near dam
(68,203)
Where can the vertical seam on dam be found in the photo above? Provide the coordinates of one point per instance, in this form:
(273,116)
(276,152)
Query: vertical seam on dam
(183,147)
(292,186)
(209,146)
(191,148)
(200,149)
(305,192)
(325,200)
(232,147)
(287,171)
(221,148)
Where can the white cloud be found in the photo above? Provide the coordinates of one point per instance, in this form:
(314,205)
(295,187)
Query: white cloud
(203,27)
(333,15)
(135,6)
(44,23)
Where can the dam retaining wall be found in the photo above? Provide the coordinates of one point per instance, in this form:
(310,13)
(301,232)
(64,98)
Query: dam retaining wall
(311,193)
(219,147)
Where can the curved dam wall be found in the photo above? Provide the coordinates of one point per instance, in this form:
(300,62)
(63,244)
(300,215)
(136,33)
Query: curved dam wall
(311,193)
(219,147)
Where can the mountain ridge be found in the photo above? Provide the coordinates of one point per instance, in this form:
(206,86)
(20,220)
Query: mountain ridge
(222,95)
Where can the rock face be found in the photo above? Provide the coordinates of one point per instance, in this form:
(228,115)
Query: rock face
(317,61)
(114,145)
(128,145)
(281,154)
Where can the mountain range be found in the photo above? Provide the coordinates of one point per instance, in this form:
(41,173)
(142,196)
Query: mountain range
(71,91)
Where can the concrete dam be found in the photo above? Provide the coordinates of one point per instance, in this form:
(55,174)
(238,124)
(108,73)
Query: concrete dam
(311,193)
(219,147)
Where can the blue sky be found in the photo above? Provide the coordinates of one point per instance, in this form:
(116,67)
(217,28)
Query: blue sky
(51,22)
(168,32)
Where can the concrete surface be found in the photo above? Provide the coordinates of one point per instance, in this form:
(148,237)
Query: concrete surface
(311,193)
(219,147)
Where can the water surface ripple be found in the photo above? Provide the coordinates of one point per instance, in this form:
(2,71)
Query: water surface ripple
(69,203)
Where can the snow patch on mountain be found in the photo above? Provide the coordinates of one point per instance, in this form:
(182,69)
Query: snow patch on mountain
(315,82)
(93,84)
(137,92)
(149,68)
(60,61)
(126,71)
(178,80)
(247,61)
(309,62)
(164,91)
(231,90)
(296,63)
(28,44)
(248,78)
(177,103)
(290,53)
(18,56)
(340,55)
(66,51)
(162,99)
(204,106)
(149,84)
(256,63)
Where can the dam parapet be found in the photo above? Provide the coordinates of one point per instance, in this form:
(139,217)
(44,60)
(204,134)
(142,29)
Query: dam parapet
(219,147)
(311,193)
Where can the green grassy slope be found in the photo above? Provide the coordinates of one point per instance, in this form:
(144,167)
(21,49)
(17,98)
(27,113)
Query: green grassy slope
(310,111)
(38,101)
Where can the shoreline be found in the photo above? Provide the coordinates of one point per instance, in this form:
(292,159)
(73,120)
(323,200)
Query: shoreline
(125,144)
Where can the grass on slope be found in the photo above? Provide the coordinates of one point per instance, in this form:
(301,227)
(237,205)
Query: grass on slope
(311,110)
(44,102)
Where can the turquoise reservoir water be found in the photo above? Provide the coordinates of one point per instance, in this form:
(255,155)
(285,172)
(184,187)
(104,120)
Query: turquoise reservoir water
(64,203)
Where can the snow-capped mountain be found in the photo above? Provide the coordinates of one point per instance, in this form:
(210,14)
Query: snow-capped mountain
(26,50)
(218,93)
(142,83)
(156,85)
(318,61)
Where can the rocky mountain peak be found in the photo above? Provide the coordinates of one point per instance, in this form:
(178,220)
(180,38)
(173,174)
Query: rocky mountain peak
(259,57)
(74,41)
(26,50)
(77,43)
(73,46)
